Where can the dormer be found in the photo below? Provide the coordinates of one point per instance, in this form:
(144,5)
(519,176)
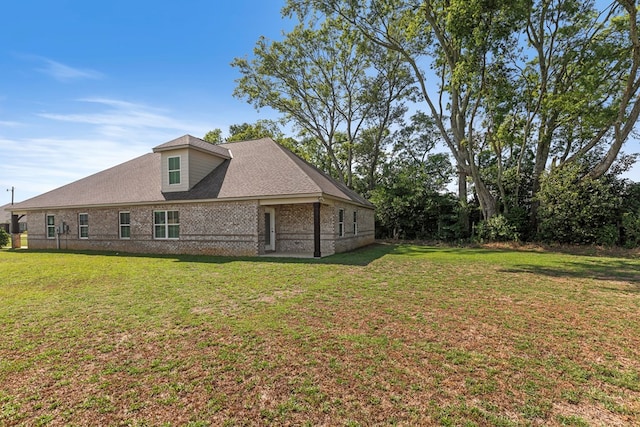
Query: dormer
(186,160)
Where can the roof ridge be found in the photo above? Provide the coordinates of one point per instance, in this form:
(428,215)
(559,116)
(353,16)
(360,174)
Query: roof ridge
(289,153)
(195,143)
(352,194)
(248,140)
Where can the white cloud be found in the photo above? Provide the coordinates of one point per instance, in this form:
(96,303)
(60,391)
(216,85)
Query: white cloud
(66,73)
(41,164)
(112,132)
(121,115)
(62,72)
(10,124)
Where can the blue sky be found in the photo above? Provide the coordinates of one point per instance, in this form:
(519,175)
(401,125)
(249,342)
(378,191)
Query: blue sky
(87,85)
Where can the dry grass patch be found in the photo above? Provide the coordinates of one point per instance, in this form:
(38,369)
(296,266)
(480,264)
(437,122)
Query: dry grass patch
(389,335)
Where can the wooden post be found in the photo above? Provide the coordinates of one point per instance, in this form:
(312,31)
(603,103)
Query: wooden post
(316,230)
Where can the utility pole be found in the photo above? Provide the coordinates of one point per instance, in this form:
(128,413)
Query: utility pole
(12,192)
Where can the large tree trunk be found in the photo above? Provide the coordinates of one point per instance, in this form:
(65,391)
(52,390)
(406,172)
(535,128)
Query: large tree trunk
(463,213)
(542,156)
(487,201)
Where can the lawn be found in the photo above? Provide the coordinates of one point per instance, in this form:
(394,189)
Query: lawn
(388,335)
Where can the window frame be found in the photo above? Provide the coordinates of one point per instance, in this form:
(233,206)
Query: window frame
(83,226)
(340,222)
(51,227)
(122,225)
(166,225)
(355,223)
(175,171)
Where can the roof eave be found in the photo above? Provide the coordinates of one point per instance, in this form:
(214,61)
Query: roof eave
(300,198)
(192,147)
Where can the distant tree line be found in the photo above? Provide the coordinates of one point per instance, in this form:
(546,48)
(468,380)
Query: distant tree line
(533,102)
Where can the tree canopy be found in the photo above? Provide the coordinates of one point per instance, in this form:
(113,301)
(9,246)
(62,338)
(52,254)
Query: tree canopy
(520,93)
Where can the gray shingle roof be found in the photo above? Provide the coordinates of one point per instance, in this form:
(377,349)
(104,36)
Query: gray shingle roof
(5,214)
(137,180)
(252,169)
(193,142)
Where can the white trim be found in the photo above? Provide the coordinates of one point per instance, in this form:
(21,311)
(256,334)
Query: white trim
(47,225)
(80,226)
(120,225)
(279,200)
(179,170)
(166,224)
(271,229)
(355,222)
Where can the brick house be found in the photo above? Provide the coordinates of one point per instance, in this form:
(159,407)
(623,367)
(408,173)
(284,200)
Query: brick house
(192,197)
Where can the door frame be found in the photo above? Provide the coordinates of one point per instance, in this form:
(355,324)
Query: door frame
(271,229)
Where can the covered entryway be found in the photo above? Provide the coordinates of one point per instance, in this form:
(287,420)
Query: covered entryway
(288,228)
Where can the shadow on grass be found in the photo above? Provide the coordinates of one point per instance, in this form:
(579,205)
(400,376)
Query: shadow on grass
(359,257)
(619,270)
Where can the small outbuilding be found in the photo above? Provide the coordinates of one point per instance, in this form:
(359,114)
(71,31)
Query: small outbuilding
(192,197)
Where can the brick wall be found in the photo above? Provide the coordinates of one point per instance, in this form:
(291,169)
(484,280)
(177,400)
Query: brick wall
(230,228)
(205,228)
(294,229)
(365,231)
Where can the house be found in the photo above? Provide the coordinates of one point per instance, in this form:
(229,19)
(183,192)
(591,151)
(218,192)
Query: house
(5,220)
(192,197)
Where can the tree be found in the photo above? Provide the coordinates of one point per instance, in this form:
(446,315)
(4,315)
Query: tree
(630,220)
(214,136)
(579,85)
(411,197)
(461,42)
(260,129)
(570,90)
(322,78)
(575,209)
(411,202)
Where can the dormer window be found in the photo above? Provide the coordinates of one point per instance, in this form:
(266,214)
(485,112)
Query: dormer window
(174,170)
(185,161)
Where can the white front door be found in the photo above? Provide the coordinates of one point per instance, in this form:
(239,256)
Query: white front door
(269,229)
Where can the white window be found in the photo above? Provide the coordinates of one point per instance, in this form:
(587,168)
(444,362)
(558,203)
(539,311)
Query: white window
(125,225)
(166,225)
(355,222)
(83,225)
(51,227)
(174,170)
(341,223)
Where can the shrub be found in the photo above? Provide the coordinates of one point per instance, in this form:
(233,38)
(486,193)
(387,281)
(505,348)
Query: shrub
(4,238)
(607,235)
(578,209)
(631,229)
(496,229)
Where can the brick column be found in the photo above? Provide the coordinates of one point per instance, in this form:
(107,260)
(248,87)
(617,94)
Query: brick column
(15,232)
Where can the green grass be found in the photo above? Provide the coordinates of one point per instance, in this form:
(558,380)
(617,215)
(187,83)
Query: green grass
(388,335)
